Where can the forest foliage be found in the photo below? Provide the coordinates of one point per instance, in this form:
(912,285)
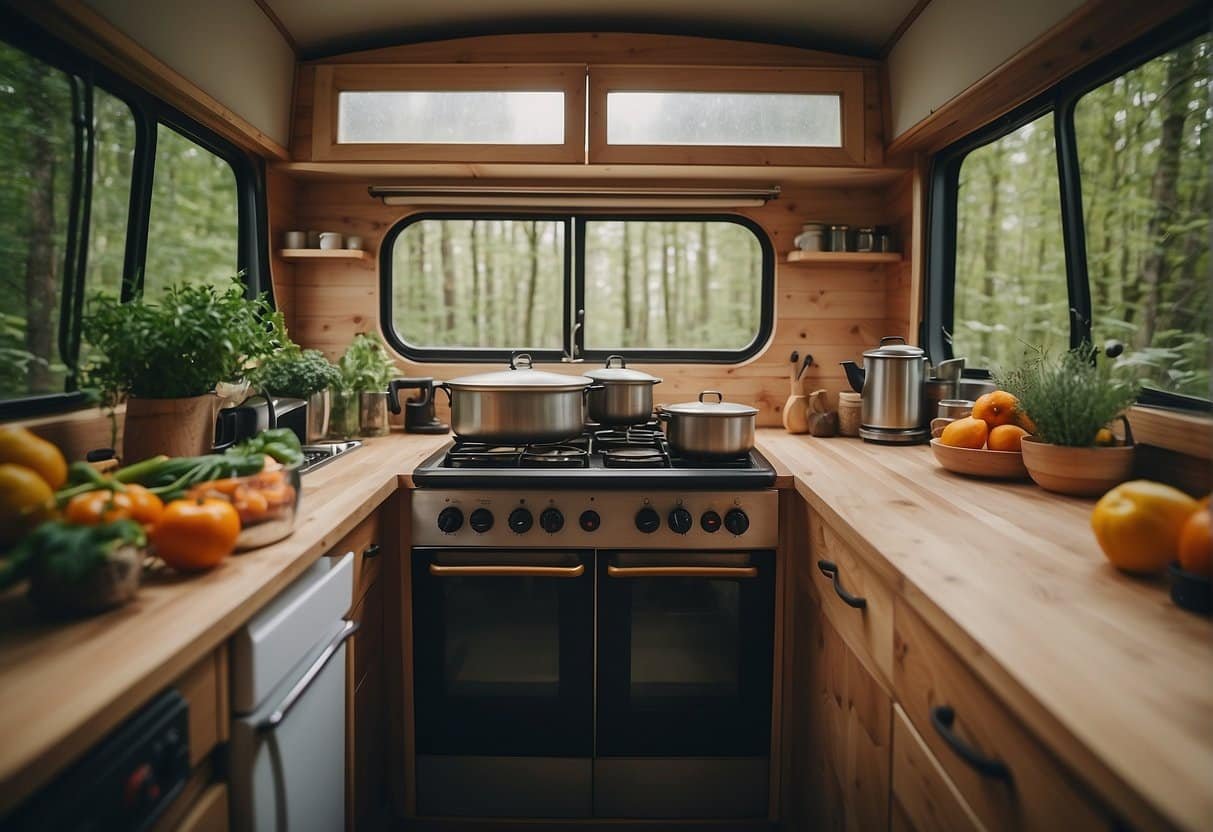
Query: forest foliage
(1145,153)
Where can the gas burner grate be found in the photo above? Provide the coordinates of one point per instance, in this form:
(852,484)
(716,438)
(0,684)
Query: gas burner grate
(635,457)
(554,456)
(478,455)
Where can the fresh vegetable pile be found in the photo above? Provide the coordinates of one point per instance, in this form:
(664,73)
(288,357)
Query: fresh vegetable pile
(82,546)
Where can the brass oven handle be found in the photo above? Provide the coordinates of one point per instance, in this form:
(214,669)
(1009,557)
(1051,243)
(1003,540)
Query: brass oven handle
(441,571)
(682,571)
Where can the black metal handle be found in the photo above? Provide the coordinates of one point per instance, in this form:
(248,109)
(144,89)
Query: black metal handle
(425,385)
(830,570)
(943,717)
(371,551)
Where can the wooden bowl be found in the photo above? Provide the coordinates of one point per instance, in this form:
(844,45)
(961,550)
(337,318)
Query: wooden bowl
(973,462)
(1080,472)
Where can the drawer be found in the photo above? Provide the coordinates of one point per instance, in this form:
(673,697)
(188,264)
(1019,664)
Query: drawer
(1009,778)
(864,618)
(366,542)
(204,687)
(366,646)
(209,813)
(924,798)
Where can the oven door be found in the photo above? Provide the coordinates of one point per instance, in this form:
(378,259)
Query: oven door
(685,643)
(503,652)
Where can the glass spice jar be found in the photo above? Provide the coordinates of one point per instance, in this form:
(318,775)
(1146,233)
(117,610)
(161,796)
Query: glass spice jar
(840,237)
(865,239)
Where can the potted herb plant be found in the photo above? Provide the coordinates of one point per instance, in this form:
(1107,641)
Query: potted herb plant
(301,374)
(165,357)
(1071,400)
(360,404)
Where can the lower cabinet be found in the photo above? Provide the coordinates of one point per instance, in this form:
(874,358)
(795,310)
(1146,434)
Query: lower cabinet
(840,728)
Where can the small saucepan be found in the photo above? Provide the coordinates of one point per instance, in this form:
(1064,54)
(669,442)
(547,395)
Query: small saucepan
(620,396)
(713,429)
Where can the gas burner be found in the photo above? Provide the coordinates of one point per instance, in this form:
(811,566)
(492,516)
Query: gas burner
(648,436)
(635,457)
(554,456)
(477,455)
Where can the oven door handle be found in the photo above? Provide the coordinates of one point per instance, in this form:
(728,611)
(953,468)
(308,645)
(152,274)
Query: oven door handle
(498,571)
(745,572)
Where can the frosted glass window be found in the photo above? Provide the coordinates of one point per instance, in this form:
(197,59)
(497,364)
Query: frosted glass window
(481,117)
(767,119)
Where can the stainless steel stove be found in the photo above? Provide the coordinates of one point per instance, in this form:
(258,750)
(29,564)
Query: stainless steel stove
(593,630)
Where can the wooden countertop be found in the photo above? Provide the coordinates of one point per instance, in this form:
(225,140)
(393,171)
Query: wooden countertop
(64,686)
(1117,679)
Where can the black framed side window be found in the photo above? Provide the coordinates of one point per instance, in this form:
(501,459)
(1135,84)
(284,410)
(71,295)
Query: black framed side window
(1084,215)
(103,188)
(462,286)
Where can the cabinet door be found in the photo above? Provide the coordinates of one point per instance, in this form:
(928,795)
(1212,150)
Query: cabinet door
(840,728)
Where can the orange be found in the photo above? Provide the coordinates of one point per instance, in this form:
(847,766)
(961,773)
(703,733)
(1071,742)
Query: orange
(1196,543)
(966,433)
(1006,438)
(997,408)
(1138,524)
(25,501)
(20,447)
(192,535)
(1025,421)
(104,506)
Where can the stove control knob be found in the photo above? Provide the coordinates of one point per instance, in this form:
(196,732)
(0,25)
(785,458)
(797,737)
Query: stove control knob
(710,522)
(680,521)
(551,520)
(648,521)
(450,519)
(736,521)
(481,520)
(589,520)
(520,520)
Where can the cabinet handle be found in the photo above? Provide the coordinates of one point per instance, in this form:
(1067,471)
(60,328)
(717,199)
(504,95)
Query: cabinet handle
(371,551)
(830,570)
(943,717)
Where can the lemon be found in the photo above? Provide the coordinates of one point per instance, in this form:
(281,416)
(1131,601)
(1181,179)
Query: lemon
(25,501)
(1138,524)
(20,447)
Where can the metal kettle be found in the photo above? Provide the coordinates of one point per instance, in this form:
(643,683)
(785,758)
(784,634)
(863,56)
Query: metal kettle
(891,383)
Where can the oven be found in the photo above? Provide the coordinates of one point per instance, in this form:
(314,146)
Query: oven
(503,681)
(685,655)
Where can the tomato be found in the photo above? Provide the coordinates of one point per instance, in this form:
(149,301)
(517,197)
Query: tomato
(1138,524)
(146,507)
(193,535)
(96,507)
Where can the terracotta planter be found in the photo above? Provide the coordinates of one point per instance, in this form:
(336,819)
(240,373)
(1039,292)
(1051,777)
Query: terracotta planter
(176,427)
(1081,472)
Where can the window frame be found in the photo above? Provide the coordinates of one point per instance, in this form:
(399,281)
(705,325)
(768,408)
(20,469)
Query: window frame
(942,198)
(573,285)
(147,111)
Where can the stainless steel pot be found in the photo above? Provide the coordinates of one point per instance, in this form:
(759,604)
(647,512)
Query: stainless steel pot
(711,429)
(516,406)
(620,396)
(891,383)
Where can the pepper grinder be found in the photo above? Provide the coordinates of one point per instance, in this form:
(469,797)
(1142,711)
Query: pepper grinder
(796,408)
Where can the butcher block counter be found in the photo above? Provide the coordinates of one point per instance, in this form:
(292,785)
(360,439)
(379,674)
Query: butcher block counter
(1118,681)
(1115,679)
(63,686)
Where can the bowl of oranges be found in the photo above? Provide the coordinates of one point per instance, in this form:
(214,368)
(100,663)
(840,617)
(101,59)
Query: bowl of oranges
(987,443)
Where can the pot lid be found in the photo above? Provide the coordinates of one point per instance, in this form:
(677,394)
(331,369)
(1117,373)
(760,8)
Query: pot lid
(703,407)
(520,376)
(891,350)
(620,373)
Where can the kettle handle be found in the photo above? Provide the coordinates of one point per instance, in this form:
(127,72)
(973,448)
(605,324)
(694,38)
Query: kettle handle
(897,338)
(425,385)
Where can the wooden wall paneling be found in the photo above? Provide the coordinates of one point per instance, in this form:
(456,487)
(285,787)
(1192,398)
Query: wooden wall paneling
(281,198)
(833,313)
(302,112)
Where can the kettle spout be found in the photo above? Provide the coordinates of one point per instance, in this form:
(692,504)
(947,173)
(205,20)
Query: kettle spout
(854,375)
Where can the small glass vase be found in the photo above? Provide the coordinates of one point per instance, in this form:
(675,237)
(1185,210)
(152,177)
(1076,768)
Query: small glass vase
(343,418)
(372,414)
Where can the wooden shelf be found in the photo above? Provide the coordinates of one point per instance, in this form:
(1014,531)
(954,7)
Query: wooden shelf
(323,254)
(844,258)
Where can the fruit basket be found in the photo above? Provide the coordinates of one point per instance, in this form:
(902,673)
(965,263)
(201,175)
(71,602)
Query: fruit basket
(980,462)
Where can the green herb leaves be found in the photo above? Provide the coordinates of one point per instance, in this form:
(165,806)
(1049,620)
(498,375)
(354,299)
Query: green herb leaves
(295,372)
(366,366)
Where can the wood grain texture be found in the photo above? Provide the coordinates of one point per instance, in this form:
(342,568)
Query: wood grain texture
(833,313)
(922,791)
(1099,667)
(209,812)
(128,655)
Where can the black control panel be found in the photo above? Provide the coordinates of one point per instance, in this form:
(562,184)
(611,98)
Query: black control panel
(122,785)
